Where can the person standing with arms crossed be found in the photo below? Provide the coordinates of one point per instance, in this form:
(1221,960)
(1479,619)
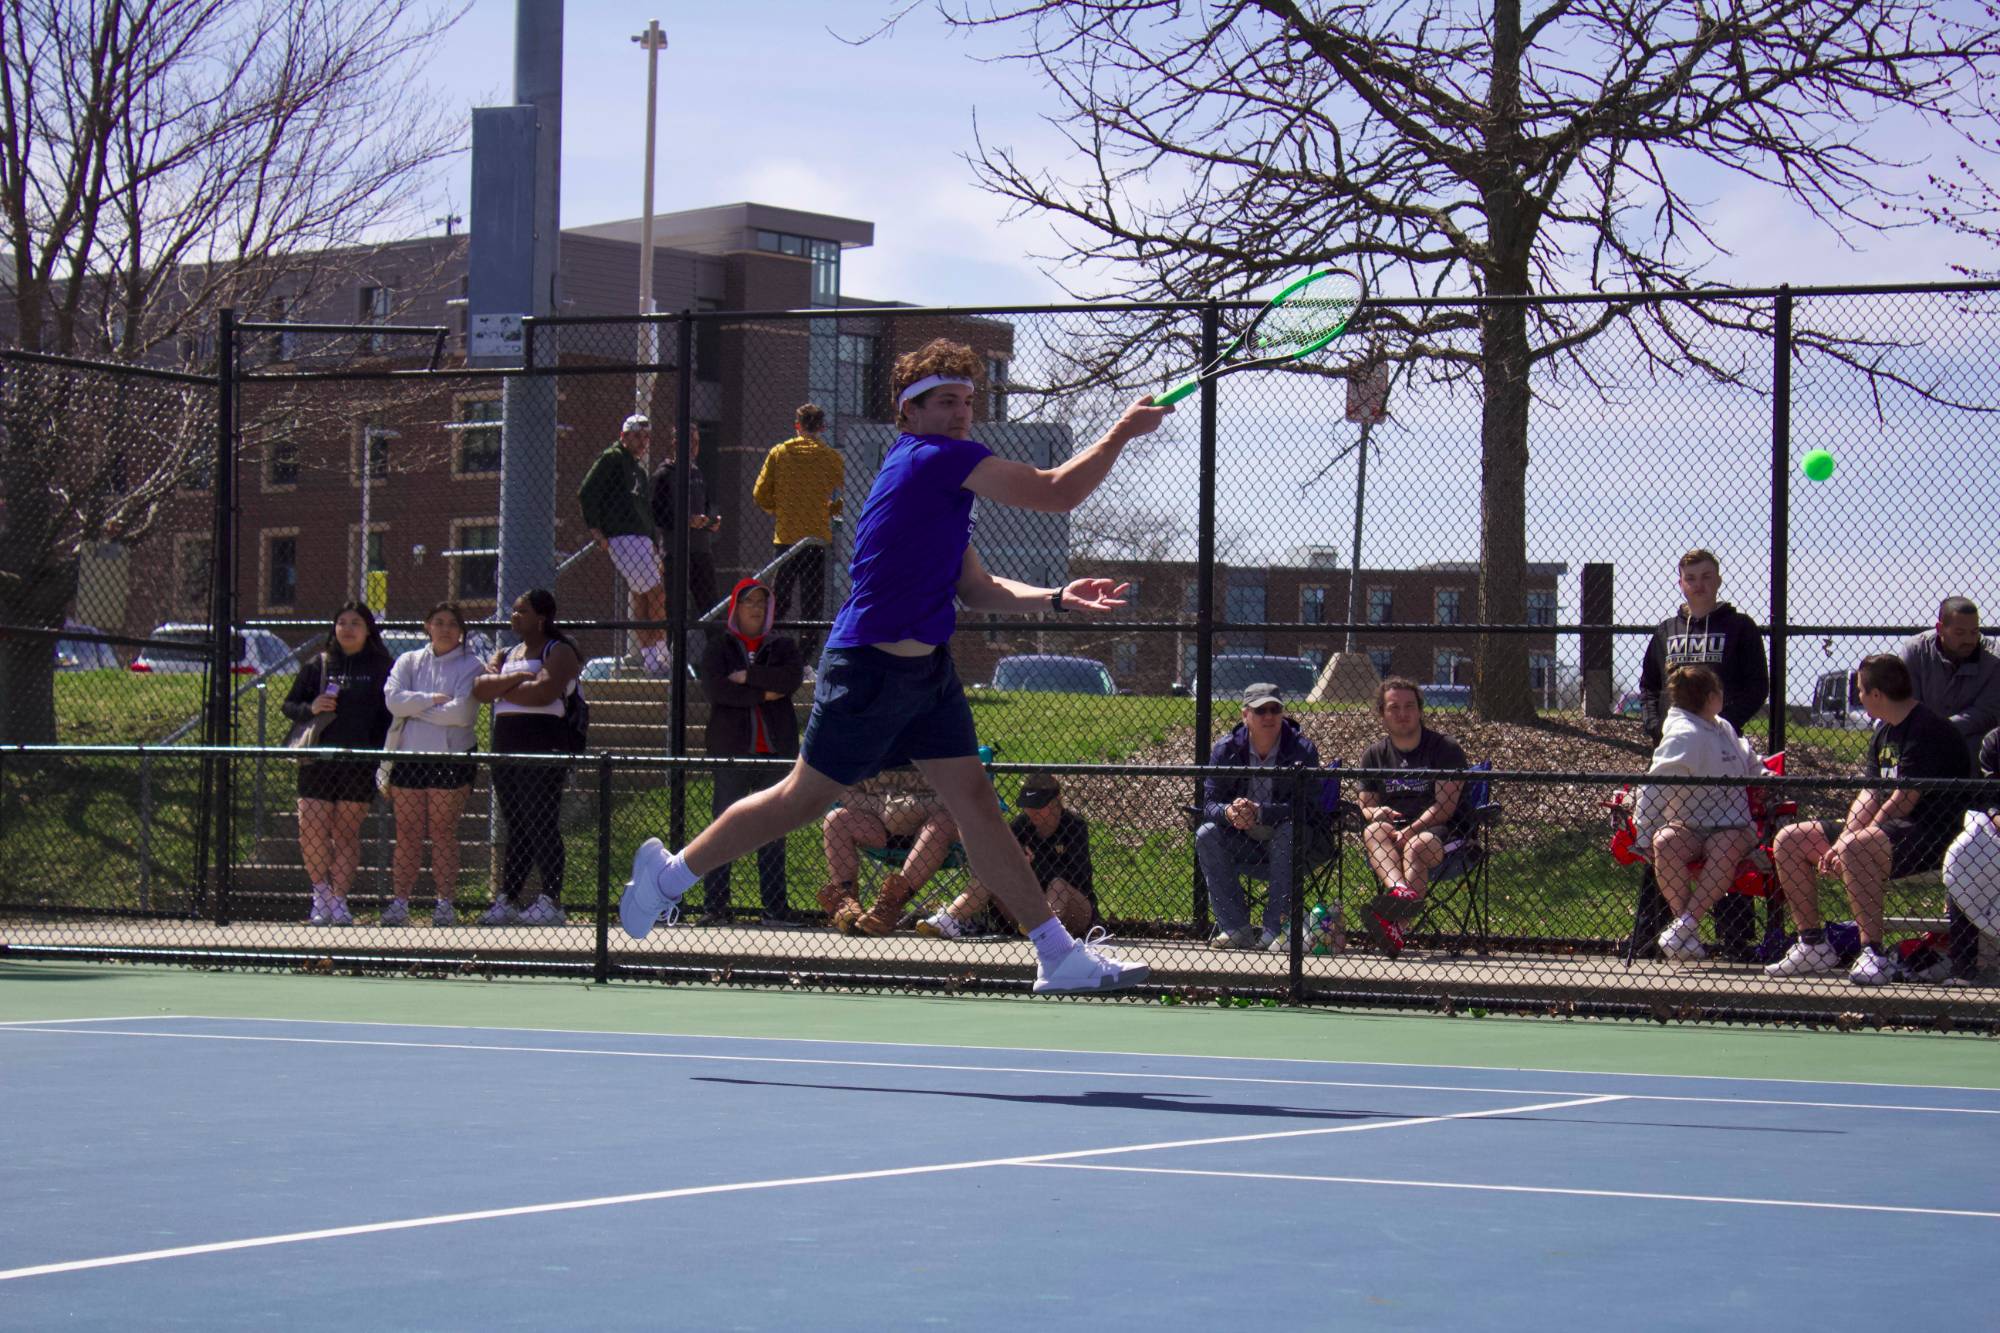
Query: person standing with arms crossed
(799,486)
(887,691)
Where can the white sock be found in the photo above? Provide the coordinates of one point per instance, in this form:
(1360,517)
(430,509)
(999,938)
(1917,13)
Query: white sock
(1052,942)
(676,879)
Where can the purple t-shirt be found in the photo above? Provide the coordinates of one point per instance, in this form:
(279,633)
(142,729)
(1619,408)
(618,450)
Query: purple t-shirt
(910,544)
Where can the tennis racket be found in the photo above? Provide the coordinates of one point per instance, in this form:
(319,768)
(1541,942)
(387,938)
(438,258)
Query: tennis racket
(1298,321)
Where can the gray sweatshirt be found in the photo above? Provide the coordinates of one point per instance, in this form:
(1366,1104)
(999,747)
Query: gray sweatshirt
(1966,693)
(434,727)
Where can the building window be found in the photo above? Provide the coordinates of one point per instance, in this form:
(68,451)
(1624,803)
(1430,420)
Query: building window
(1541,606)
(1312,605)
(198,471)
(1542,677)
(476,569)
(1452,668)
(825,256)
(1448,606)
(192,577)
(1125,660)
(376,305)
(478,428)
(1243,604)
(374,444)
(1381,606)
(281,458)
(1133,588)
(860,377)
(281,571)
(1190,598)
(996,388)
(1383,660)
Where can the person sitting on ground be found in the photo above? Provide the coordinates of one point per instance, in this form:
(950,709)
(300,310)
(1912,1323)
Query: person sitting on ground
(1952,672)
(894,804)
(1682,825)
(1889,833)
(1247,822)
(1412,823)
(1056,841)
(750,675)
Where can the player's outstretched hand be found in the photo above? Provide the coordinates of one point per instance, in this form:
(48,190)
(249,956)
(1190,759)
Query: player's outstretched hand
(1142,418)
(1094,595)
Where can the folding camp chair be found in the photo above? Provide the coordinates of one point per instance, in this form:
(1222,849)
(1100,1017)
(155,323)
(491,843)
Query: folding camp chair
(1457,895)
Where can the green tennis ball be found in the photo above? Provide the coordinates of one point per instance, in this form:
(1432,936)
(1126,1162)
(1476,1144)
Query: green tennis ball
(1817,465)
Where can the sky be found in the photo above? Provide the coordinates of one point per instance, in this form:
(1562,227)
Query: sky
(765,101)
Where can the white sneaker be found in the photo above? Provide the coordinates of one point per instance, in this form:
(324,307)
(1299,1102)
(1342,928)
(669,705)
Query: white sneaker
(321,905)
(502,913)
(1803,958)
(644,904)
(544,911)
(1088,967)
(444,914)
(943,926)
(337,913)
(1871,968)
(1270,941)
(397,913)
(1681,941)
(1244,937)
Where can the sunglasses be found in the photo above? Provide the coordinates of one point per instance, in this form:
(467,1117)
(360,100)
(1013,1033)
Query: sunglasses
(1268,710)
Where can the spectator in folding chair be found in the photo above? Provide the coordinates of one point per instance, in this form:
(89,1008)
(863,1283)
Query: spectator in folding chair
(895,807)
(1246,825)
(1056,842)
(1685,825)
(1416,828)
(1888,834)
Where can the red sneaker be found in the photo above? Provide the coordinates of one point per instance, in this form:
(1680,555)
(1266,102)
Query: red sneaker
(1386,934)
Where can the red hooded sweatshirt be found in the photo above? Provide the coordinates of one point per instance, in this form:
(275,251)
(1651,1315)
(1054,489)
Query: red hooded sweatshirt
(761,743)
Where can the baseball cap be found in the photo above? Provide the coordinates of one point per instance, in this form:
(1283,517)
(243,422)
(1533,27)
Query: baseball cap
(1263,692)
(637,421)
(1039,790)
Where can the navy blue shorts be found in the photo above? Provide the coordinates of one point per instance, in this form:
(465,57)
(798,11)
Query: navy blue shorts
(874,710)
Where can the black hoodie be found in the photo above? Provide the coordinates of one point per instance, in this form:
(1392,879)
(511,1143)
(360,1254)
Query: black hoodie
(361,718)
(770,662)
(1725,640)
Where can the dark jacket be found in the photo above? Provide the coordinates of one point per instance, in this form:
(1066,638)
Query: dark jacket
(612,495)
(735,712)
(361,720)
(663,508)
(1725,640)
(1295,750)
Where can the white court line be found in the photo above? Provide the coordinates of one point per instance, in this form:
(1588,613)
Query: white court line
(727,1058)
(1136,1055)
(1523,1189)
(738,1187)
(122,1018)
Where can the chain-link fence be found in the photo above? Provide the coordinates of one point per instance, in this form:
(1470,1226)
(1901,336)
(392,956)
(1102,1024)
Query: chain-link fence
(1315,530)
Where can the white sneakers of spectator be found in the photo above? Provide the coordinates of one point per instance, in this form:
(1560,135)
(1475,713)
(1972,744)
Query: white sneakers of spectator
(1804,958)
(941,926)
(1681,941)
(1871,968)
(1248,937)
(544,911)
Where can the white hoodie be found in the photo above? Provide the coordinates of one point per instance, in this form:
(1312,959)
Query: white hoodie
(1692,746)
(429,727)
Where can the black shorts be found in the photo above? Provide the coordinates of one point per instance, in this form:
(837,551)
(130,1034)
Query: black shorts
(1916,848)
(338,780)
(430,775)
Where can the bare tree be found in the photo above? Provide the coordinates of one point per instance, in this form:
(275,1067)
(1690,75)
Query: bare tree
(1492,150)
(159,160)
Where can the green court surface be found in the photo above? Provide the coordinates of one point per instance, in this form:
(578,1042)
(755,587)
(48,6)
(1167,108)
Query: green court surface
(42,991)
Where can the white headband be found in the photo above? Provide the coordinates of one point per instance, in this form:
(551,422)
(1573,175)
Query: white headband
(925,385)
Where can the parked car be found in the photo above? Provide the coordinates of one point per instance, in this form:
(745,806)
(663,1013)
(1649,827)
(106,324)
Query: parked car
(1054,675)
(257,650)
(84,654)
(1447,696)
(400,641)
(1837,703)
(1232,673)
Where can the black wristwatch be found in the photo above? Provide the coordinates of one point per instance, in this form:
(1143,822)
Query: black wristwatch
(1055,601)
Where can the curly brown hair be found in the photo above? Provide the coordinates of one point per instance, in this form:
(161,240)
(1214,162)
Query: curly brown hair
(939,356)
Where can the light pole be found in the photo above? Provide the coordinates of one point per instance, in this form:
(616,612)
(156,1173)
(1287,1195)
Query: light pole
(653,41)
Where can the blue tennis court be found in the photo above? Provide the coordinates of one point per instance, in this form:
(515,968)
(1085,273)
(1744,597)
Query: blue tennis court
(181,1171)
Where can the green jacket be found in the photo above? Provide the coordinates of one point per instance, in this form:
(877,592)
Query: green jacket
(616,495)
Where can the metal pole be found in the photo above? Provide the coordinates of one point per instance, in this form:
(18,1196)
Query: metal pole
(601,965)
(367,494)
(1204,622)
(1301,845)
(1354,561)
(221,731)
(654,41)
(1781,510)
(263,726)
(677,583)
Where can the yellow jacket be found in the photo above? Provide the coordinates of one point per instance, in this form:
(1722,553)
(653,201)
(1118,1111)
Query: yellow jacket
(799,485)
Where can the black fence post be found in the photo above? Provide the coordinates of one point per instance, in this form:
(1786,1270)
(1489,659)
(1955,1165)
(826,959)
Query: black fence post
(221,729)
(1204,616)
(677,582)
(1301,847)
(601,964)
(1781,511)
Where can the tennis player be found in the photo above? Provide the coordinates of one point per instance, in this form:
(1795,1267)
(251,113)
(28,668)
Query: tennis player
(887,691)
